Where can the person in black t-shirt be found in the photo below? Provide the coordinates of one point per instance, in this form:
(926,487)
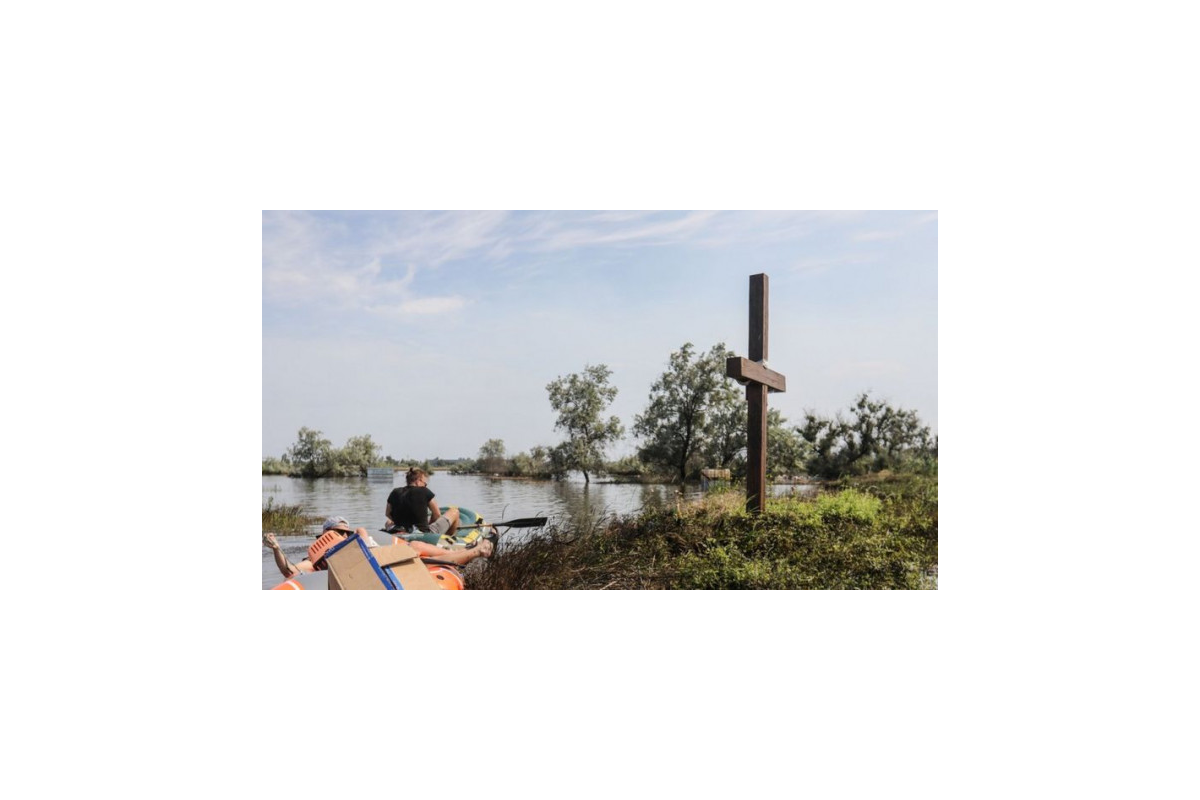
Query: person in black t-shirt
(412,507)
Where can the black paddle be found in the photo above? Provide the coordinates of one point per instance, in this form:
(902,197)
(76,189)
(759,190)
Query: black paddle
(527,522)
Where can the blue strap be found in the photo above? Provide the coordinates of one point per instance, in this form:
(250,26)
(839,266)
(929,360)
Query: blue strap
(396,584)
(387,584)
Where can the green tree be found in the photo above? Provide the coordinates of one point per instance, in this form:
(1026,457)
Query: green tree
(560,456)
(312,455)
(580,400)
(725,429)
(874,437)
(628,466)
(358,454)
(491,456)
(822,435)
(674,423)
(786,450)
(534,464)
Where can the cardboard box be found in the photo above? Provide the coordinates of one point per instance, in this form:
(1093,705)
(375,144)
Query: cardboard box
(404,566)
(353,565)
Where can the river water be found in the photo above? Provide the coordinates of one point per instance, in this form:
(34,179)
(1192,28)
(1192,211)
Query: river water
(362,501)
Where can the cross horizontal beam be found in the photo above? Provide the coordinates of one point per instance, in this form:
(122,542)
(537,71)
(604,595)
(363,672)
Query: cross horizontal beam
(746,371)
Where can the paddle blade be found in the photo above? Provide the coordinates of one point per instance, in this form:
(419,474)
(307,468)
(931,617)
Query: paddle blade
(528,522)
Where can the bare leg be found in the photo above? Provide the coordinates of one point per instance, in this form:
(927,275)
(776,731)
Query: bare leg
(453,556)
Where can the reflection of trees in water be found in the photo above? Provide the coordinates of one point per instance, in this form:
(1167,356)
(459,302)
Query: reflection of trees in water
(583,506)
(653,497)
(339,487)
(587,505)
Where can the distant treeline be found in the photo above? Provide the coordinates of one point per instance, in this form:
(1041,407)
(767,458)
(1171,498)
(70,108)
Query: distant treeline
(695,418)
(547,463)
(314,456)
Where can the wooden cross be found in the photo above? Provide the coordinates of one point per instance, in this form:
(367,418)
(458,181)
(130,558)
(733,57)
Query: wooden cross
(759,381)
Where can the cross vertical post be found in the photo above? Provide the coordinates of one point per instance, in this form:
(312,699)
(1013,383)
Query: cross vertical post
(759,380)
(756,399)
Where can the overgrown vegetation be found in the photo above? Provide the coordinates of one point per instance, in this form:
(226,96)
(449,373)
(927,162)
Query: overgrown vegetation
(875,437)
(285,519)
(629,468)
(858,534)
(274,466)
(546,463)
(494,460)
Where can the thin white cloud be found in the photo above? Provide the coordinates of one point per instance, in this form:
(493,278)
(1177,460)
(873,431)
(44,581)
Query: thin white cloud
(819,264)
(434,238)
(564,231)
(875,236)
(310,258)
(376,261)
(556,231)
(621,216)
(780,215)
(416,306)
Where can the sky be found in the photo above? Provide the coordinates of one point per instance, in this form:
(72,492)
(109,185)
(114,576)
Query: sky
(434,332)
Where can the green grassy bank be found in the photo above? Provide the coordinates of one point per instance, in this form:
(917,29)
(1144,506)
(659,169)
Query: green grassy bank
(879,532)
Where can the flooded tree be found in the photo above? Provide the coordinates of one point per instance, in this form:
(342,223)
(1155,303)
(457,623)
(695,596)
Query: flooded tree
(580,400)
(491,456)
(681,402)
(312,454)
(357,456)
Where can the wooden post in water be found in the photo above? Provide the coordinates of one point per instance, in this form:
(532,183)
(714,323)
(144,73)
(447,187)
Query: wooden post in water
(759,380)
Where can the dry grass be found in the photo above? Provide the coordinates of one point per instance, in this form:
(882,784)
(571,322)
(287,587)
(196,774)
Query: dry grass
(285,520)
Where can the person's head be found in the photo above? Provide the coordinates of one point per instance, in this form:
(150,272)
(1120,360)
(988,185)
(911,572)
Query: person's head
(416,477)
(336,524)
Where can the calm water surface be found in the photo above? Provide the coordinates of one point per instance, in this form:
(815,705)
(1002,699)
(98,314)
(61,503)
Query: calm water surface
(362,501)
